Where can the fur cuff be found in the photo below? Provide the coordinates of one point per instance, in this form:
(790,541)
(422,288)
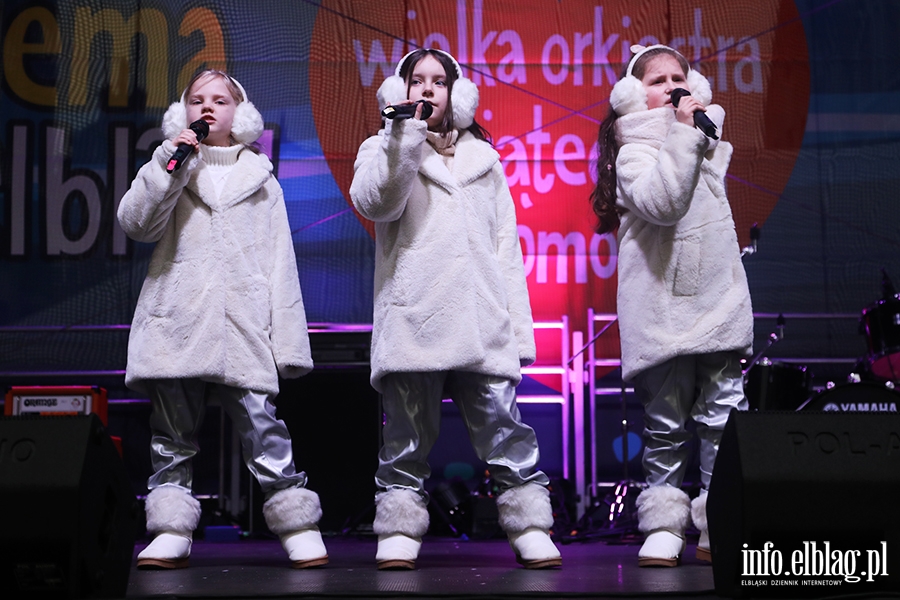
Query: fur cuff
(400,510)
(292,509)
(663,507)
(171,508)
(698,512)
(525,506)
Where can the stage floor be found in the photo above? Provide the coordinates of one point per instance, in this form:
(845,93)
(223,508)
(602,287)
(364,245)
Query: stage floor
(447,568)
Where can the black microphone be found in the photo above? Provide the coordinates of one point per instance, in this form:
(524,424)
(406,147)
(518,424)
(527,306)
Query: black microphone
(201,128)
(754,240)
(405,111)
(700,119)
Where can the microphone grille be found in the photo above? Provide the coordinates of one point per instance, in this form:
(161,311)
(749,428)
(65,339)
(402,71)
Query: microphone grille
(678,94)
(201,128)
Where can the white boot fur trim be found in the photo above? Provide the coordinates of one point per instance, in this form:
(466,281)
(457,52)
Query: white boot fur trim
(292,509)
(400,510)
(698,512)
(525,506)
(171,508)
(663,507)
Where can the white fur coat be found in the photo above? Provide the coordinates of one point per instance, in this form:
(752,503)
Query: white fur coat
(221,301)
(450,290)
(682,288)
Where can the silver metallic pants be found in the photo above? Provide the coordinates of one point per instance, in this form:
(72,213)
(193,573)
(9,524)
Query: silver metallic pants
(178,407)
(412,408)
(703,387)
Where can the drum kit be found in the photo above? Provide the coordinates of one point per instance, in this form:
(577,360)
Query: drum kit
(871,387)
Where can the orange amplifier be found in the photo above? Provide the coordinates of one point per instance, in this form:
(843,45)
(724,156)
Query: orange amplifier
(56,400)
(59,400)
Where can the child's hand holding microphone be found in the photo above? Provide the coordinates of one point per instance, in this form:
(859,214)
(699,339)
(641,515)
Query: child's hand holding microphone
(187,141)
(690,111)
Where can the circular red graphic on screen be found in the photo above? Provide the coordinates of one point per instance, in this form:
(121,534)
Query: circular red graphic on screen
(545,70)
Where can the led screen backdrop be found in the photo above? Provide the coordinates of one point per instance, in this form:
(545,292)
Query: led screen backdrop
(810,89)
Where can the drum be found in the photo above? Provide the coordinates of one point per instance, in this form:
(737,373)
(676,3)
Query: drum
(881,323)
(864,396)
(776,386)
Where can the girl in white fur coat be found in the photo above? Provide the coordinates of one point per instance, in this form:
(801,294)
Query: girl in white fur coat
(220,314)
(452,316)
(683,303)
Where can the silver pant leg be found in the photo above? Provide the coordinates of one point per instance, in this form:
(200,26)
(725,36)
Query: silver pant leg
(176,414)
(265,440)
(412,411)
(721,389)
(667,392)
(499,437)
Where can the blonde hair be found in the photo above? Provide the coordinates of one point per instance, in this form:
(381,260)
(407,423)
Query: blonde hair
(236,92)
(234,89)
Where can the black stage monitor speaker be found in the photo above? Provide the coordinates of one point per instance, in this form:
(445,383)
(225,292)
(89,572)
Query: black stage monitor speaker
(67,511)
(806,504)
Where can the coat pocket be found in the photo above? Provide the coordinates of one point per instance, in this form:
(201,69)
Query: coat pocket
(687,267)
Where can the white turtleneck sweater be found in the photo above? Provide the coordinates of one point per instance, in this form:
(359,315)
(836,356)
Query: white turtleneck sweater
(219,162)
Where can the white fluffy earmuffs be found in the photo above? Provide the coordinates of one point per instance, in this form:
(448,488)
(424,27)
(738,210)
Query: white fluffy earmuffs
(463,97)
(246,127)
(628,95)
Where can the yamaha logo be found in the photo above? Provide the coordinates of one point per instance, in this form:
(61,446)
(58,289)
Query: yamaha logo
(861,407)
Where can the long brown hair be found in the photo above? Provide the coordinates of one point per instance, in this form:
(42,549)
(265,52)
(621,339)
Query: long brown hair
(603,198)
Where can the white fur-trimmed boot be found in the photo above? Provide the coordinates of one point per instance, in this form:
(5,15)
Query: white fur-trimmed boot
(698,515)
(172,516)
(401,519)
(663,514)
(526,516)
(292,515)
